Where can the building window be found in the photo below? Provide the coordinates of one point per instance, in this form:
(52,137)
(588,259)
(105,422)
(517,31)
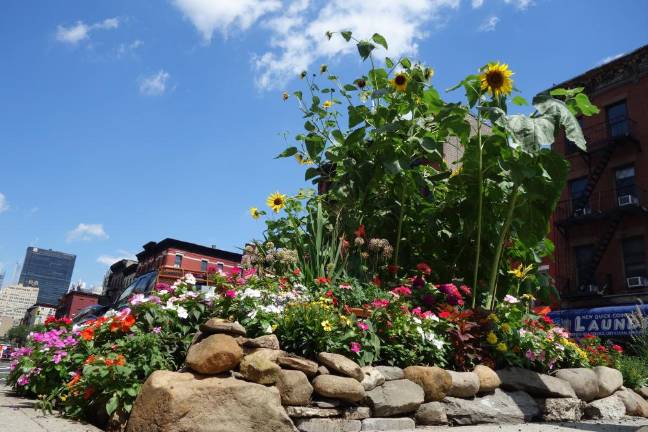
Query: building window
(625,181)
(178,261)
(617,119)
(203,266)
(220,266)
(577,193)
(583,256)
(634,257)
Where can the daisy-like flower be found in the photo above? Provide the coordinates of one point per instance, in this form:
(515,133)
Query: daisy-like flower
(428,73)
(327,104)
(326,325)
(255,213)
(496,79)
(276,201)
(399,82)
(520,271)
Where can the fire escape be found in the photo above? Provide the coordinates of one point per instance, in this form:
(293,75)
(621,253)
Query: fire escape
(602,210)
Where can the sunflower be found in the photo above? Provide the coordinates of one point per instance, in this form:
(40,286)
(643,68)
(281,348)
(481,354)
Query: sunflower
(327,104)
(496,79)
(255,213)
(285,95)
(276,201)
(302,160)
(399,82)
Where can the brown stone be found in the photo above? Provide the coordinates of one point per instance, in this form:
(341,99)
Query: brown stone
(219,325)
(341,364)
(309,367)
(294,387)
(488,379)
(258,368)
(435,381)
(337,387)
(215,354)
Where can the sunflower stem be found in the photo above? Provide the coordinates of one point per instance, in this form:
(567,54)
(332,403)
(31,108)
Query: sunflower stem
(480,200)
(400,224)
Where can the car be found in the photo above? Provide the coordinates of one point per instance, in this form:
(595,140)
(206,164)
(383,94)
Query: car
(90,313)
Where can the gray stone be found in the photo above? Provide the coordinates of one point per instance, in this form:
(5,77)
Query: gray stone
(609,380)
(308,412)
(610,407)
(342,365)
(309,367)
(464,384)
(327,403)
(215,354)
(488,379)
(431,413)
(391,373)
(372,378)
(498,407)
(561,409)
(643,392)
(584,381)
(328,425)
(337,387)
(395,397)
(294,387)
(219,325)
(266,341)
(256,367)
(388,424)
(356,413)
(635,405)
(323,370)
(534,383)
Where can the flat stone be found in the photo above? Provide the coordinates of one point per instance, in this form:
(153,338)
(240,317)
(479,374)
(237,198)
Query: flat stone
(328,425)
(356,413)
(327,403)
(609,408)
(435,381)
(219,325)
(584,381)
(341,364)
(488,379)
(304,411)
(337,387)
(395,397)
(431,413)
(266,341)
(561,409)
(609,380)
(294,387)
(498,407)
(309,367)
(635,405)
(464,384)
(388,424)
(534,383)
(372,378)
(215,354)
(391,373)
(256,367)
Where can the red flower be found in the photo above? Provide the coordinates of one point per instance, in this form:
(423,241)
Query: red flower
(376,281)
(541,310)
(87,334)
(87,394)
(329,293)
(617,348)
(403,291)
(444,314)
(547,319)
(90,359)
(465,289)
(127,323)
(424,268)
(360,232)
(322,280)
(392,268)
(297,272)
(589,336)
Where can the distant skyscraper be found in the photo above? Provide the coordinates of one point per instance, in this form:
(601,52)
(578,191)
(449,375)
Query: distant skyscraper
(50,270)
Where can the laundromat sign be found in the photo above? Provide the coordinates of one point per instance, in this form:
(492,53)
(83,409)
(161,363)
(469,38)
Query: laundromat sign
(604,321)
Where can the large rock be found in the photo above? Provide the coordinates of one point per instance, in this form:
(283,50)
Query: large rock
(391,373)
(219,325)
(584,382)
(609,380)
(534,383)
(635,405)
(395,397)
(294,387)
(388,424)
(342,365)
(309,367)
(180,402)
(328,425)
(561,409)
(488,379)
(372,378)
(643,391)
(610,407)
(431,413)
(498,407)
(464,384)
(337,387)
(266,341)
(435,381)
(214,354)
(257,367)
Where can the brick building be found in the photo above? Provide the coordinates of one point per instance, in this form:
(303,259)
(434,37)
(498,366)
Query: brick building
(174,258)
(600,227)
(73,302)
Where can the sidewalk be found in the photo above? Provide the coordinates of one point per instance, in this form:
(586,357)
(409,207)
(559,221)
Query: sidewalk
(19,415)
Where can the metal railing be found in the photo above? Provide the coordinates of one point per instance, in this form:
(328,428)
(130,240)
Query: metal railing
(600,134)
(602,202)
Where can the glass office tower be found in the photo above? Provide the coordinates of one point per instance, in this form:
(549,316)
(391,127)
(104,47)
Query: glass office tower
(50,270)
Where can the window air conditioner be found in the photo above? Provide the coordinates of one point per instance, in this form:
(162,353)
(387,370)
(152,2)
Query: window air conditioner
(636,282)
(626,200)
(582,211)
(590,288)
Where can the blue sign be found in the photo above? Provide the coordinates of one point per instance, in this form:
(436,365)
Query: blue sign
(603,321)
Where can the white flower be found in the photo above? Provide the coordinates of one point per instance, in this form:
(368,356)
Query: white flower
(191,294)
(251,293)
(182,312)
(190,279)
(163,292)
(252,314)
(273,309)
(433,317)
(268,329)
(508,298)
(210,295)
(417,320)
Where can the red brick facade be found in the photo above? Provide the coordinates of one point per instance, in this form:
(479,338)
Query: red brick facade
(75,301)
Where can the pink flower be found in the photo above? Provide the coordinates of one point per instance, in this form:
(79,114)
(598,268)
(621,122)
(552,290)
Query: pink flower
(56,359)
(157,330)
(402,290)
(230,294)
(162,286)
(508,298)
(530,355)
(362,325)
(380,303)
(23,380)
(234,271)
(355,347)
(345,286)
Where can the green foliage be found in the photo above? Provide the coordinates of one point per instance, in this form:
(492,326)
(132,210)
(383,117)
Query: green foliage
(18,334)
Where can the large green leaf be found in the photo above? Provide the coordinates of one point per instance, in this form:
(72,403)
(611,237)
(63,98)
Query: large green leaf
(558,111)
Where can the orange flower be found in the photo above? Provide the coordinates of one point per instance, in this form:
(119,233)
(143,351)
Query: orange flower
(90,359)
(108,362)
(115,325)
(541,310)
(120,360)
(87,334)
(73,381)
(127,323)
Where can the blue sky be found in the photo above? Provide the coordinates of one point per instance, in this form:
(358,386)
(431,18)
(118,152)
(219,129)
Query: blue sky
(123,122)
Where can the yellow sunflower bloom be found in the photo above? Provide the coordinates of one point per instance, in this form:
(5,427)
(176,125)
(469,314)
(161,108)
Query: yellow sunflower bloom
(345,320)
(255,213)
(400,82)
(492,317)
(496,79)
(506,328)
(502,347)
(276,201)
(520,271)
(327,104)
(491,338)
(326,325)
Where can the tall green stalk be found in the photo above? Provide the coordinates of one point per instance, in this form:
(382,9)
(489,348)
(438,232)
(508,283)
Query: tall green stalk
(399,232)
(500,245)
(480,202)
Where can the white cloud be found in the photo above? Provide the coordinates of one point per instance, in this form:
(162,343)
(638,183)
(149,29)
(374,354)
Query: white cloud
(608,59)
(4,205)
(222,15)
(154,85)
(80,31)
(86,232)
(476,4)
(112,259)
(489,24)
(128,48)
(520,4)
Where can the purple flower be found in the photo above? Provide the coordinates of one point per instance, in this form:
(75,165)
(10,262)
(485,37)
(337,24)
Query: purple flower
(157,330)
(56,359)
(23,380)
